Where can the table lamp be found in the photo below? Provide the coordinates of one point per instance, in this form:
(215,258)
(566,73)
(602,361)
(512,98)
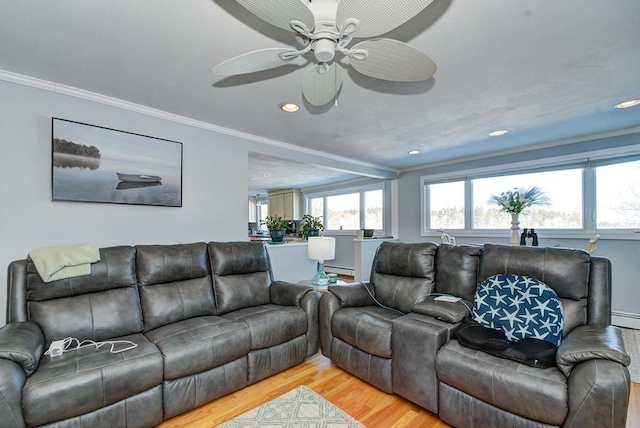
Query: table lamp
(321,249)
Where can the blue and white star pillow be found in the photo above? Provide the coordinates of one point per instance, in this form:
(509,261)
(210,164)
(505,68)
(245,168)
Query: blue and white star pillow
(520,306)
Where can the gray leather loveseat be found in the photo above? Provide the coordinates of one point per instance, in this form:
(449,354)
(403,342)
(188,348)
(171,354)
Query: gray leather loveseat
(417,356)
(208,319)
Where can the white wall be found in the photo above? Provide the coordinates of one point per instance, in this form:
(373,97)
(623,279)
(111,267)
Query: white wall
(214,182)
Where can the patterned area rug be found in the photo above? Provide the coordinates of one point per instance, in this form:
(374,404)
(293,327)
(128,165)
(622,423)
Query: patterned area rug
(298,408)
(631,339)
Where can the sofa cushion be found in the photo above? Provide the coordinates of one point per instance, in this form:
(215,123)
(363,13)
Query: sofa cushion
(367,328)
(241,275)
(533,393)
(271,325)
(566,271)
(174,283)
(520,306)
(87,379)
(100,306)
(457,270)
(198,344)
(403,274)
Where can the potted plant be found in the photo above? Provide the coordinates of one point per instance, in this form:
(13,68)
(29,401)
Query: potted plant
(514,202)
(277,228)
(310,226)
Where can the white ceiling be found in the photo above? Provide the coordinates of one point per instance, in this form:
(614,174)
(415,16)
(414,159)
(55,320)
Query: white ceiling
(545,70)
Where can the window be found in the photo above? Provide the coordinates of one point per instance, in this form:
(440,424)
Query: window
(563,188)
(373,210)
(588,196)
(446,205)
(349,209)
(618,196)
(263,212)
(343,212)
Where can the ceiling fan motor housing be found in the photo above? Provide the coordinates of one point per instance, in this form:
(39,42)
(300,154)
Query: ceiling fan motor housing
(325,30)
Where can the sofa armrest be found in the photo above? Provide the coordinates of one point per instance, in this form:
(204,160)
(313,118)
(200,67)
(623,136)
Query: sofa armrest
(598,391)
(453,312)
(588,342)
(353,294)
(23,343)
(416,340)
(287,293)
(12,379)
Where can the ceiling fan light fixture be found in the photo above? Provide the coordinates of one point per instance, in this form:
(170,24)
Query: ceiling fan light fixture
(627,104)
(290,107)
(498,133)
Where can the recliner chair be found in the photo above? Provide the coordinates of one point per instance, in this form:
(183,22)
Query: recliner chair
(355,332)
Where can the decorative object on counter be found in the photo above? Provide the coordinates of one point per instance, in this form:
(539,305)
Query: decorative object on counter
(515,202)
(277,228)
(321,248)
(445,238)
(310,226)
(529,233)
(592,244)
(368,233)
(333,278)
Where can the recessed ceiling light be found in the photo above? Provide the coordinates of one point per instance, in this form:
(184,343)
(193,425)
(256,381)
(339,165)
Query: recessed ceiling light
(414,152)
(627,104)
(290,107)
(498,133)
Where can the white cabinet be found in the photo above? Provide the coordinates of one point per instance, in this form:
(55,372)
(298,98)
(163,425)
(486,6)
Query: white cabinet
(286,204)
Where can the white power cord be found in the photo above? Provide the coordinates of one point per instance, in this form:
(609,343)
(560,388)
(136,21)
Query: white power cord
(58,347)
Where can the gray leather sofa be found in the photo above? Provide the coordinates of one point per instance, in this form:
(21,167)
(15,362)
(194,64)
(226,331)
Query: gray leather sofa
(417,356)
(208,320)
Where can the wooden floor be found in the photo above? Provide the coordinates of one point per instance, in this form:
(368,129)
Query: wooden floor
(369,405)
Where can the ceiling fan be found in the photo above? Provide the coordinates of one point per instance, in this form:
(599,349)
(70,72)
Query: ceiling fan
(327,27)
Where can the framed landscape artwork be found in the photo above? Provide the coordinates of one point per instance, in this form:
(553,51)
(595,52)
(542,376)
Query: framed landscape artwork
(94,164)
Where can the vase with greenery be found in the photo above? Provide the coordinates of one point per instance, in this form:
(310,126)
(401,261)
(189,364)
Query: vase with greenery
(277,228)
(515,202)
(310,226)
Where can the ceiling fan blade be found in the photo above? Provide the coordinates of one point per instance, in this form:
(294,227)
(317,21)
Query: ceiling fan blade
(281,12)
(320,88)
(379,16)
(393,60)
(263,59)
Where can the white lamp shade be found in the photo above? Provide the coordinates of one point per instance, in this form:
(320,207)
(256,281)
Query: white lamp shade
(321,248)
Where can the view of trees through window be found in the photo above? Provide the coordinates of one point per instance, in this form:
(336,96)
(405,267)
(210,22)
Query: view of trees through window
(446,205)
(618,196)
(350,211)
(563,188)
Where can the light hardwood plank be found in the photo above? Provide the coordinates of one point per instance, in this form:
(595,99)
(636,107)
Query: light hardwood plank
(369,405)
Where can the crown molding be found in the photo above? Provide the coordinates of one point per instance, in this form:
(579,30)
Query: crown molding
(349,165)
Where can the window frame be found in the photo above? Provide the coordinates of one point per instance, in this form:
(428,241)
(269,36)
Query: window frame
(361,190)
(589,213)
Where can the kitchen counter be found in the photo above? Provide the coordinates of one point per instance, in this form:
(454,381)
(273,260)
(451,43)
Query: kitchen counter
(290,262)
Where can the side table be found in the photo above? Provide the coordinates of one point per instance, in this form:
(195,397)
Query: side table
(320,288)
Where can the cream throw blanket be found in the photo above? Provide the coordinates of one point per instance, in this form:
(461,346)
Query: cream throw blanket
(54,263)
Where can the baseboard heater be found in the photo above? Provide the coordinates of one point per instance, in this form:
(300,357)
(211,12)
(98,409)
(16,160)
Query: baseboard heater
(625,319)
(339,270)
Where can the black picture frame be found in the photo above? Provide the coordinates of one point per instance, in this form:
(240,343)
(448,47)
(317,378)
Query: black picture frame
(91,163)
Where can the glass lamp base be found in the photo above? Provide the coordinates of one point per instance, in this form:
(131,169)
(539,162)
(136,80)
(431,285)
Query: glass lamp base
(320,278)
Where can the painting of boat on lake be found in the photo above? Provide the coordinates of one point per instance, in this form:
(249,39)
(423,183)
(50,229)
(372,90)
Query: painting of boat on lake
(96,164)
